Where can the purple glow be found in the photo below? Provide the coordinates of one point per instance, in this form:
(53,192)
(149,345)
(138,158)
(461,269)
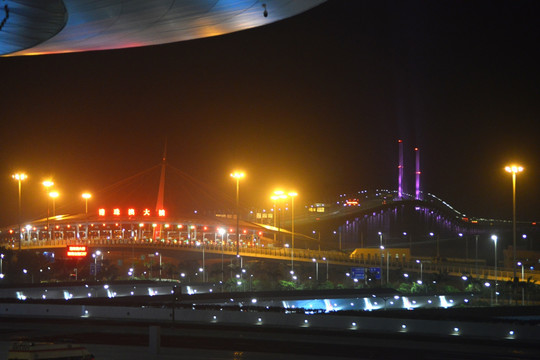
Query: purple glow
(400,167)
(417,197)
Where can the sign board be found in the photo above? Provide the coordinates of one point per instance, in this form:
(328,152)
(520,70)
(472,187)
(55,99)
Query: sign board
(358,273)
(375,271)
(77,251)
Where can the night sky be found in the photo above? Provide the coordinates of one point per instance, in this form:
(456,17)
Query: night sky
(314,103)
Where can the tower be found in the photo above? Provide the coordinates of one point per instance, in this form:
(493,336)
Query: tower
(417,173)
(400,170)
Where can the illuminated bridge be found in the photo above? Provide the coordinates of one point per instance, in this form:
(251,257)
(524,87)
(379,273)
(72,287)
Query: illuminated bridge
(349,230)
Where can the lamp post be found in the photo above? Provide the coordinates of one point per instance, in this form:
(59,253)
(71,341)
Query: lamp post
(522,279)
(54,195)
(1,266)
(20,177)
(421,270)
(158,253)
(292,194)
(237,175)
(86,196)
(95,256)
(316,269)
(514,170)
(325,259)
(48,184)
(494,238)
(381,256)
(222,232)
(278,195)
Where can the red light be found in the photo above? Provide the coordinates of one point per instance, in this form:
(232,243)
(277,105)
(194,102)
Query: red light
(231,230)
(77,251)
(260,233)
(131,212)
(400,141)
(205,228)
(101,212)
(10,231)
(245,231)
(534,223)
(116,212)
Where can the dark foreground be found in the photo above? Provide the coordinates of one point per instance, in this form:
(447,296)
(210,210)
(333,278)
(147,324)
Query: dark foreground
(124,340)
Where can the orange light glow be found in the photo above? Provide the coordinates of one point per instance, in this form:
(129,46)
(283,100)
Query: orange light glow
(514,169)
(77,251)
(116,212)
(101,212)
(146,212)
(161,212)
(131,212)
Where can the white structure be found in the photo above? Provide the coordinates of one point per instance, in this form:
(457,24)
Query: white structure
(29,27)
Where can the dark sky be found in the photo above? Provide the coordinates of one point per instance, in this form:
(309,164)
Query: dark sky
(316,103)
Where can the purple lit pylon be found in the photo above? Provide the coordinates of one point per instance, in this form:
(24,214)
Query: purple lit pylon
(400,167)
(417,194)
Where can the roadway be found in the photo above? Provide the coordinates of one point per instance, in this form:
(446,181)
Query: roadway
(323,257)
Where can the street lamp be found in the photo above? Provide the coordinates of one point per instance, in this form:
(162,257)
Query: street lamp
(292,194)
(158,253)
(514,170)
(325,259)
(237,175)
(494,238)
(421,270)
(1,266)
(381,255)
(222,232)
(316,269)
(54,195)
(95,256)
(47,184)
(19,177)
(86,196)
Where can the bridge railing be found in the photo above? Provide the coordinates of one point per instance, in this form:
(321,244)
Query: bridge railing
(304,255)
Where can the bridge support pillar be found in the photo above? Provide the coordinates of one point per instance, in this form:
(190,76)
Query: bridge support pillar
(154,339)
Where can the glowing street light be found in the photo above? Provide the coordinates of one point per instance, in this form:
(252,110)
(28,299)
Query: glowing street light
(237,175)
(86,196)
(381,256)
(494,238)
(421,270)
(222,232)
(19,177)
(514,170)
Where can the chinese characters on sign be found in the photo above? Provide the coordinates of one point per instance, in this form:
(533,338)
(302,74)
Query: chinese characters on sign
(133,212)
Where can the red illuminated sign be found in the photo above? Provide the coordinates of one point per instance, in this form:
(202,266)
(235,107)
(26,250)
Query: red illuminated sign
(77,251)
